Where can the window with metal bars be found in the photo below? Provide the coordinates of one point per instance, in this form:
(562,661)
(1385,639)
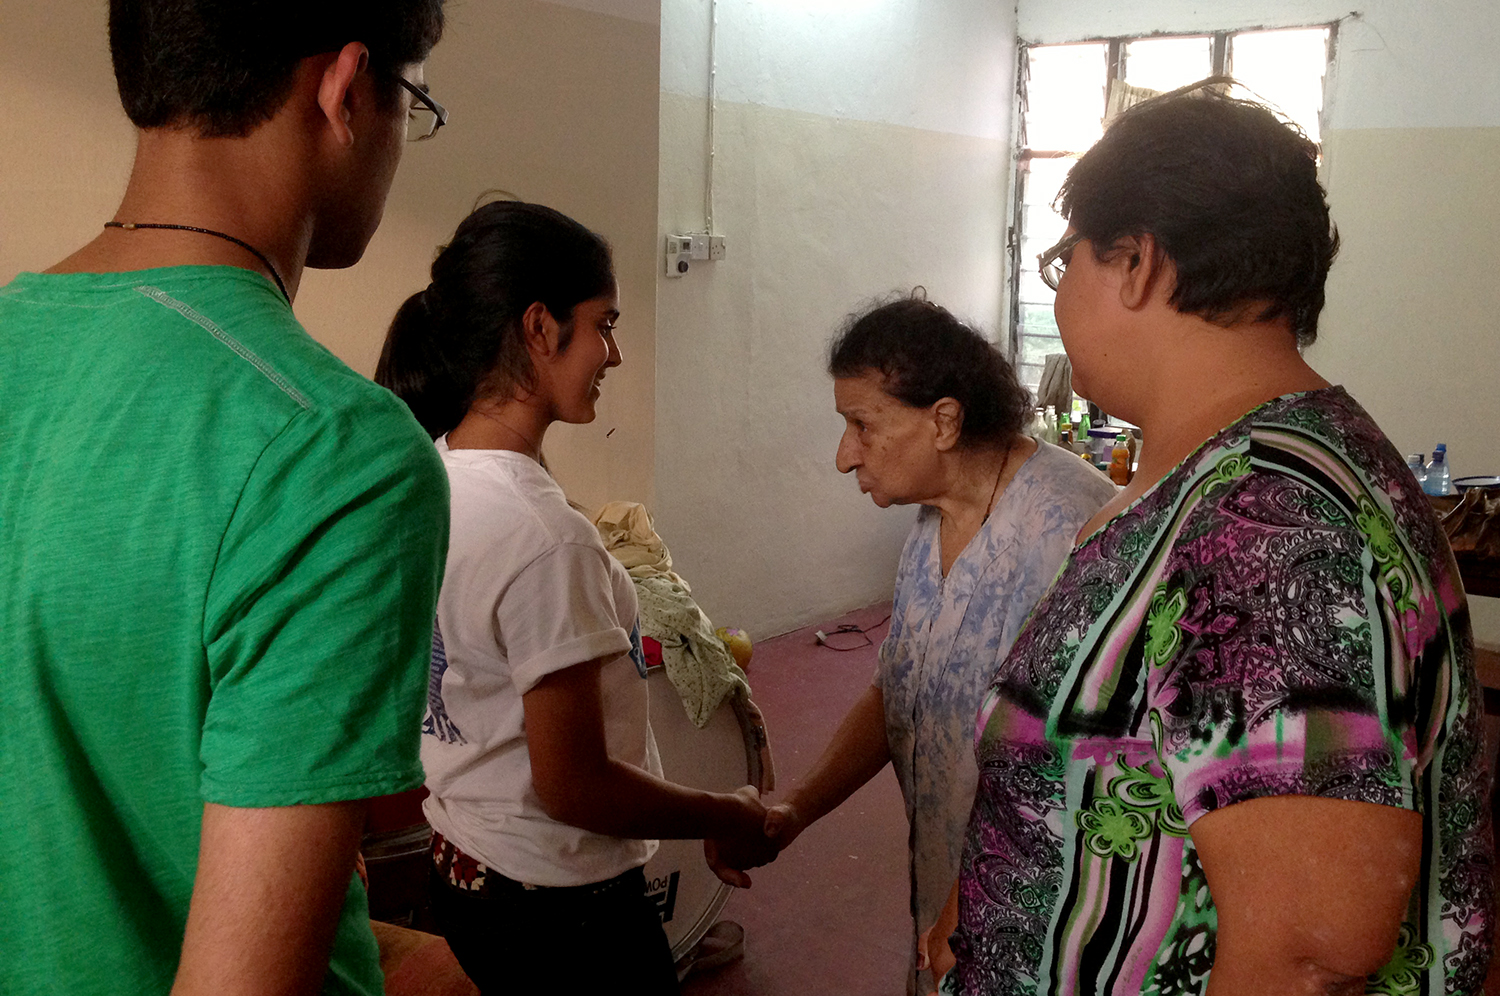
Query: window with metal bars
(1066,92)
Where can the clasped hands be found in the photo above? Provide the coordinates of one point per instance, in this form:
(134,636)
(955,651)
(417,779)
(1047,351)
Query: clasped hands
(764,832)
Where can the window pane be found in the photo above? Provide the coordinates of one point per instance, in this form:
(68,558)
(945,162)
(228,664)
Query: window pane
(1167,63)
(1031,290)
(1043,177)
(1284,68)
(1036,319)
(1030,375)
(1041,227)
(1034,348)
(1065,96)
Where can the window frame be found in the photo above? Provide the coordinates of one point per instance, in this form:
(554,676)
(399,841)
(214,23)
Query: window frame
(1022,155)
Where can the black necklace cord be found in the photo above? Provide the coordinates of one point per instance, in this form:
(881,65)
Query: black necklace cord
(131,226)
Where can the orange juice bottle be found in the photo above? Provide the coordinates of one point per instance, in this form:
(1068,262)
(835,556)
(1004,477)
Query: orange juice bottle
(1119,461)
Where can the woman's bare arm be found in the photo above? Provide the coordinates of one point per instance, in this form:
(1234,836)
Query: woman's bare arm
(858,751)
(1310,892)
(581,785)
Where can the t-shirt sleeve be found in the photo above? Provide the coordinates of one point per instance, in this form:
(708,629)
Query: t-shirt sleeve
(318,624)
(560,611)
(1269,666)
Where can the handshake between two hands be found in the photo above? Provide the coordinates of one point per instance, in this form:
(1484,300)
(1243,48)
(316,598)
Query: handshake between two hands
(763,832)
(760,834)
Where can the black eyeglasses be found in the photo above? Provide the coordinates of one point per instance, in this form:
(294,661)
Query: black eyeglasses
(426,115)
(1054,261)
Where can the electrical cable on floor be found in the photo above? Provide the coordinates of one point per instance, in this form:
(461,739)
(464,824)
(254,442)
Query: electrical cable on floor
(862,633)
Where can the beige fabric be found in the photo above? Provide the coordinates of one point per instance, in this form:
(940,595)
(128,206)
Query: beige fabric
(698,664)
(627,532)
(1056,386)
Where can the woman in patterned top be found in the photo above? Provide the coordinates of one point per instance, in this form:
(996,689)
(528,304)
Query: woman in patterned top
(934,417)
(1236,749)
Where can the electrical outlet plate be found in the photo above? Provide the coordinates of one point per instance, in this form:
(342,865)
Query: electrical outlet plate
(682,251)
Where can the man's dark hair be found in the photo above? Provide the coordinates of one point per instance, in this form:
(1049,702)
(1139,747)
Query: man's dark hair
(226,66)
(925,354)
(1229,191)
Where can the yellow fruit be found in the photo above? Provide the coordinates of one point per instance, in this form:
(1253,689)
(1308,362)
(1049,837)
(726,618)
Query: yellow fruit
(738,642)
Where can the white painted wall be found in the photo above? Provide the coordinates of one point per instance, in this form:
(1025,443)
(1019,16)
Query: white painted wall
(938,65)
(863,149)
(1412,167)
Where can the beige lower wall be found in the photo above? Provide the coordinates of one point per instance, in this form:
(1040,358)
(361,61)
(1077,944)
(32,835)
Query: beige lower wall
(1412,326)
(553,103)
(65,144)
(820,214)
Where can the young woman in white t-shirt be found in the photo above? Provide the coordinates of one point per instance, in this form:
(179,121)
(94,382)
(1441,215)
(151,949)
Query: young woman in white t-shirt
(546,795)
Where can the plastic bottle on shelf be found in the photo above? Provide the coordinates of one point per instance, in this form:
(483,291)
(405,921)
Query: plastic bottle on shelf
(1417,467)
(1439,480)
(1119,461)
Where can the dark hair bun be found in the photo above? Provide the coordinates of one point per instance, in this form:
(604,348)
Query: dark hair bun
(925,354)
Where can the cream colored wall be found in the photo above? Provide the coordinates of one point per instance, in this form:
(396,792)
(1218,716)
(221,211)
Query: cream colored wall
(1413,320)
(552,102)
(65,144)
(853,161)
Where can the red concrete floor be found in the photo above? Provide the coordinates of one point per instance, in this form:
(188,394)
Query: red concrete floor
(830,915)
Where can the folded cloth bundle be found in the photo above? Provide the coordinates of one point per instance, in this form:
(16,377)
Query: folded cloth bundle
(698,664)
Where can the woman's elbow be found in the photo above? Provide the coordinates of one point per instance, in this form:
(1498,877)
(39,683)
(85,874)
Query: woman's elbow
(562,797)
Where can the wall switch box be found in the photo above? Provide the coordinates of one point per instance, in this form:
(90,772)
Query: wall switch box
(685,250)
(679,254)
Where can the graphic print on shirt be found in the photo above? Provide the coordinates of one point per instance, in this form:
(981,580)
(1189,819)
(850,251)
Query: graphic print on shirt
(638,652)
(437,724)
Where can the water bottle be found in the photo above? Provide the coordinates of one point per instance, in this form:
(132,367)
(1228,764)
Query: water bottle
(1418,469)
(1439,480)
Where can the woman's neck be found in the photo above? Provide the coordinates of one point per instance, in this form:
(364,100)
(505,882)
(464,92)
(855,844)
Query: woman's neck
(1208,381)
(517,425)
(975,481)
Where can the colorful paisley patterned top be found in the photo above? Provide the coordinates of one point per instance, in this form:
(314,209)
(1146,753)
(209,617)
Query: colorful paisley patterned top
(1278,616)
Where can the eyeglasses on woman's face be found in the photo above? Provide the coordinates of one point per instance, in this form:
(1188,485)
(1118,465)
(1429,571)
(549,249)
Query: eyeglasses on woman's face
(426,115)
(1054,261)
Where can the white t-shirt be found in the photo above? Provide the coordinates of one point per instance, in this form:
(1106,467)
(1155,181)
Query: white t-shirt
(529,590)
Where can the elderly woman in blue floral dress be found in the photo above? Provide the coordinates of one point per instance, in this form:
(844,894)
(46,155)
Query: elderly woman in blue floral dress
(934,417)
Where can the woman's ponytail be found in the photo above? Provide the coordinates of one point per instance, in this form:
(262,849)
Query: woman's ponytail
(413,366)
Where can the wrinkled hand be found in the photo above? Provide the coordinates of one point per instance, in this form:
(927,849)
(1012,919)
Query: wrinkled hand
(784,824)
(933,951)
(747,847)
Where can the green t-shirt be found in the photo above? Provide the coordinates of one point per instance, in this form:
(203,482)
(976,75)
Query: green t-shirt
(220,551)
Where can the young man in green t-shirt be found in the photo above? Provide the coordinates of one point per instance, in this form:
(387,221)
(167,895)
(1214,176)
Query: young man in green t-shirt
(220,548)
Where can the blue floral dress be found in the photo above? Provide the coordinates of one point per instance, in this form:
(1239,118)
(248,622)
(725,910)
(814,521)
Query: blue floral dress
(948,635)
